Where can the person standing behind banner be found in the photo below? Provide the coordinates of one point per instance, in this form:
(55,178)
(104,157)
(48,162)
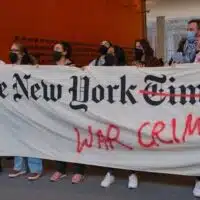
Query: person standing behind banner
(1,63)
(19,56)
(144,55)
(197,58)
(62,57)
(194,26)
(100,61)
(119,54)
(116,57)
(188,54)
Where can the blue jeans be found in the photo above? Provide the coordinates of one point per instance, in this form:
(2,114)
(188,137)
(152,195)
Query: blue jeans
(23,164)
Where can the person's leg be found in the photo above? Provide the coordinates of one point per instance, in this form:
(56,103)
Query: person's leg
(108,179)
(36,167)
(196,190)
(0,164)
(133,180)
(19,167)
(61,167)
(60,171)
(79,169)
(78,173)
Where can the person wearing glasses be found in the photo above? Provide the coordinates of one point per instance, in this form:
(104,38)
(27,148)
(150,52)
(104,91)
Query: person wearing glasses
(19,56)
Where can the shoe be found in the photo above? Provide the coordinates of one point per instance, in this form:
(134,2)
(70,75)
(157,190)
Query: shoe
(108,180)
(16,173)
(196,190)
(57,176)
(33,176)
(77,178)
(133,181)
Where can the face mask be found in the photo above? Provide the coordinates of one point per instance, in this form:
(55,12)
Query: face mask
(191,36)
(103,50)
(13,57)
(138,54)
(57,55)
(110,60)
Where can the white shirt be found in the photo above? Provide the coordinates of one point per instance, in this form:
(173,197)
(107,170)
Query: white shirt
(101,62)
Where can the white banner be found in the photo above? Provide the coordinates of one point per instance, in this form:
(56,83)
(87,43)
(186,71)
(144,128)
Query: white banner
(122,117)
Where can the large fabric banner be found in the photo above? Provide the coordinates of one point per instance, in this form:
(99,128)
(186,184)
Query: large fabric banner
(145,119)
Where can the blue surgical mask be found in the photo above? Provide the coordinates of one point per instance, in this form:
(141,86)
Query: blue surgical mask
(191,36)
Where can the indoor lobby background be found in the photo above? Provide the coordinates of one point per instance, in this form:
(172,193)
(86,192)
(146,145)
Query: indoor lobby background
(167,21)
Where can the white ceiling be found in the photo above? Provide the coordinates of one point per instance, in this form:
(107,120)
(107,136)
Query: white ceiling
(172,8)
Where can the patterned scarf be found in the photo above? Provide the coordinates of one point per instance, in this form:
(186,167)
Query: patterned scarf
(188,55)
(189,52)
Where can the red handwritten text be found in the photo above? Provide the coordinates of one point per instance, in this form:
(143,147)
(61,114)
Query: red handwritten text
(192,127)
(106,140)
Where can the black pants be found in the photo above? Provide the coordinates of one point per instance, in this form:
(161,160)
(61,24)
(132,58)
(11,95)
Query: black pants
(111,171)
(61,167)
(0,165)
(198,178)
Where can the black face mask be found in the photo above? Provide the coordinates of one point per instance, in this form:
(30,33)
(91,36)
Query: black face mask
(110,60)
(13,57)
(103,50)
(57,55)
(138,54)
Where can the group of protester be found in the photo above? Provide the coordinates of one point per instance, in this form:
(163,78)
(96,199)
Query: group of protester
(109,55)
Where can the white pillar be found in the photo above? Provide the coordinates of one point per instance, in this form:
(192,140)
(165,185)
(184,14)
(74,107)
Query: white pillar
(160,42)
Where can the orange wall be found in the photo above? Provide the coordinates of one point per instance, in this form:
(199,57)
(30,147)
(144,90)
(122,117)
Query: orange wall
(84,21)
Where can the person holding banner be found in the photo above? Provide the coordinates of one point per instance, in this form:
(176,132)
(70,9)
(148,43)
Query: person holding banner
(189,50)
(144,55)
(62,57)
(109,178)
(20,56)
(189,53)
(0,165)
(119,55)
(103,50)
(197,58)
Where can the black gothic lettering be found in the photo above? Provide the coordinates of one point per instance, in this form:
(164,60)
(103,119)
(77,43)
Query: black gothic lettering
(34,89)
(191,91)
(126,92)
(172,92)
(51,92)
(98,91)
(110,92)
(3,87)
(19,83)
(83,89)
(152,90)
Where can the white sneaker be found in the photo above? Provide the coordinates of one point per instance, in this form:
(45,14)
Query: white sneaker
(133,181)
(196,190)
(108,180)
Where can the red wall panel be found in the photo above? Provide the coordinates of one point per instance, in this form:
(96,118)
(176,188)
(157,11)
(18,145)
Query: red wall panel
(79,21)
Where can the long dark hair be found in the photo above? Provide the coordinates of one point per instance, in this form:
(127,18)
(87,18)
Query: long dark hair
(66,47)
(120,55)
(27,59)
(148,51)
